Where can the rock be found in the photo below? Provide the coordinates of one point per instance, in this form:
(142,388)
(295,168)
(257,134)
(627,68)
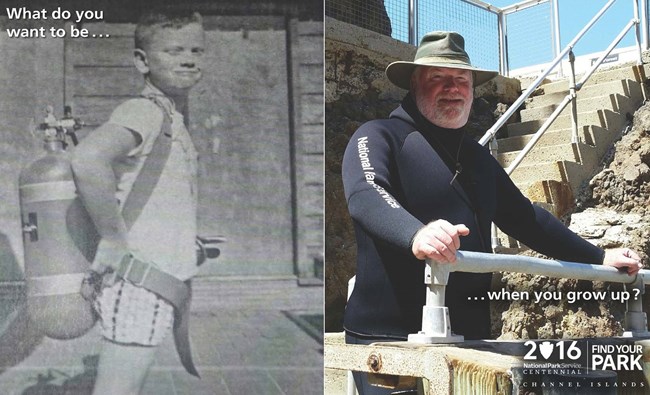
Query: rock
(593,223)
(606,228)
(644,172)
(616,214)
(505,89)
(611,229)
(642,119)
(509,336)
(558,195)
(630,174)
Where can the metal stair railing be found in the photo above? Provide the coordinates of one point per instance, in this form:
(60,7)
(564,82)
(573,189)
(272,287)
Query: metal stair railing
(568,50)
(436,277)
(571,97)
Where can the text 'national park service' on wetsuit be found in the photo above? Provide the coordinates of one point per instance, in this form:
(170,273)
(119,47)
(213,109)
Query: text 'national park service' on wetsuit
(369,174)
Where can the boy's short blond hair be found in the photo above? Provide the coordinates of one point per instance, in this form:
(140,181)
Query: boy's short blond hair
(151,22)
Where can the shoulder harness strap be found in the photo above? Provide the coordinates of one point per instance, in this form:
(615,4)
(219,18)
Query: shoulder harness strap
(151,170)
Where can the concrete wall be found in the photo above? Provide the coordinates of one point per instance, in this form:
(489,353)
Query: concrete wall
(308,123)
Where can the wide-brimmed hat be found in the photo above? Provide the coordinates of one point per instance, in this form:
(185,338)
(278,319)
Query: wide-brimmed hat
(437,49)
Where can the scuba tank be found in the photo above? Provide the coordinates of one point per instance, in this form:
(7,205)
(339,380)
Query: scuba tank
(59,237)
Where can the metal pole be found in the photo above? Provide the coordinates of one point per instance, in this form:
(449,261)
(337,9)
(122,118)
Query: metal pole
(494,151)
(413,39)
(637,33)
(636,320)
(574,104)
(521,5)
(556,34)
(482,262)
(351,387)
(496,243)
(644,23)
(436,326)
(504,69)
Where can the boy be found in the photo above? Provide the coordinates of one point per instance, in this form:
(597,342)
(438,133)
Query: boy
(135,319)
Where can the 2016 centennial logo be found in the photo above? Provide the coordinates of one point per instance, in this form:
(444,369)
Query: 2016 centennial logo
(582,363)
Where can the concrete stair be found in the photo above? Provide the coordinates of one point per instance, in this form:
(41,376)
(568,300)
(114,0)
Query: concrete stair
(578,152)
(616,102)
(605,106)
(554,92)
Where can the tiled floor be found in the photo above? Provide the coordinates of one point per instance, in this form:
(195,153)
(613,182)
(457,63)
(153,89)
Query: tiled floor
(248,337)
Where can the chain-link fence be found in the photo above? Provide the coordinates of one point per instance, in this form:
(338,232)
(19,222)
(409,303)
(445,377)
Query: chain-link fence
(398,12)
(478,26)
(530,36)
(368,14)
(529,30)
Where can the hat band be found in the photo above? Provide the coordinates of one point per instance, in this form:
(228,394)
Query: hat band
(442,59)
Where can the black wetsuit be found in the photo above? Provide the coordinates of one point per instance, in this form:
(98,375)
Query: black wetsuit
(397,174)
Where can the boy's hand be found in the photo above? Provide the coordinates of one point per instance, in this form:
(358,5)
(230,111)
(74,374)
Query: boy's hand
(110,252)
(438,240)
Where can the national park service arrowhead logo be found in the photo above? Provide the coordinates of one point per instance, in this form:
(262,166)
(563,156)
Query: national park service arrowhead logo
(546,349)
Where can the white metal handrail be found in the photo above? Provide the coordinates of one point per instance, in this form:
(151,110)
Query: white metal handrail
(436,275)
(481,262)
(609,49)
(515,106)
(644,25)
(520,100)
(571,97)
(636,323)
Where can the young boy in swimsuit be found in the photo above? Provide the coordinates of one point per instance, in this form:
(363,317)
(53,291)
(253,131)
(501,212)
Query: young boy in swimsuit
(168,53)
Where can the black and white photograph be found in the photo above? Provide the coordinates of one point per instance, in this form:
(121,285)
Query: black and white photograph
(161,224)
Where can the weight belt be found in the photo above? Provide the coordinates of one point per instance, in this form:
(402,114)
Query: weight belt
(178,293)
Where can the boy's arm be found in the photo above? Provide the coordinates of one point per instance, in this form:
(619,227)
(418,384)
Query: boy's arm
(92,166)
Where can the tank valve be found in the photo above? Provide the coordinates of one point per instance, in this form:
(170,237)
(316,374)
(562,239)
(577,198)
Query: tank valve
(55,129)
